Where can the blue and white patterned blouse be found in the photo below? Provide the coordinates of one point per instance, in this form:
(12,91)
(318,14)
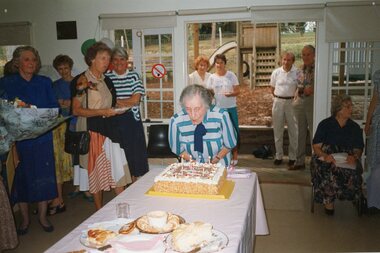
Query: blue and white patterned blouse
(220,133)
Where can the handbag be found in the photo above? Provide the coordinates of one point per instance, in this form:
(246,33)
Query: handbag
(77,143)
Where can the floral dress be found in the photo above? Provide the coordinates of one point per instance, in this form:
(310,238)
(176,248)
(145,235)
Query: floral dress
(331,182)
(63,161)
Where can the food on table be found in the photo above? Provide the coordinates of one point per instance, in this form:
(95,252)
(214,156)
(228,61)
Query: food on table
(191,178)
(99,237)
(173,221)
(189,236)
(127,228)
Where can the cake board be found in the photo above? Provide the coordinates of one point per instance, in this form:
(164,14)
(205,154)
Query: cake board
(225,193)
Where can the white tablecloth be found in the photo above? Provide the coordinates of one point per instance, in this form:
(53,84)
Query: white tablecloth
(241,217)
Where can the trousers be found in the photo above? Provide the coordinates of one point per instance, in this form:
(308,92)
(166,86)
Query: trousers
(282,110)
(303,109)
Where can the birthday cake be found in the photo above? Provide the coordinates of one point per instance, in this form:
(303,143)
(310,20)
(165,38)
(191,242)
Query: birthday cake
(191,178)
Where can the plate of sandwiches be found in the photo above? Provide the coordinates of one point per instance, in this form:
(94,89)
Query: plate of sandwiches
(99,234)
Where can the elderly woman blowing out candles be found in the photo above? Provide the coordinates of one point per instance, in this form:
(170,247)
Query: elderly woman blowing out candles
(201,130)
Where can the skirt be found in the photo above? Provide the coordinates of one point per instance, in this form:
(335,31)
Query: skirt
(131,132)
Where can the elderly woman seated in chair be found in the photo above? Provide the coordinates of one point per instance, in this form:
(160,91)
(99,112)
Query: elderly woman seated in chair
(338,145)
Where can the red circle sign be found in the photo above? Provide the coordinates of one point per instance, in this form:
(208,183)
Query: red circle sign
(158,70)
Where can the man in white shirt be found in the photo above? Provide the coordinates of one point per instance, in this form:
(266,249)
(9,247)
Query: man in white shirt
(283,83)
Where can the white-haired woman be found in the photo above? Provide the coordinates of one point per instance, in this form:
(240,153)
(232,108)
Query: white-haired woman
(34,179)
(201,131)
(129,90)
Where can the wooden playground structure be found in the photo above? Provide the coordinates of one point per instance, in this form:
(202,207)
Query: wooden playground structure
(258,51)
(259,48)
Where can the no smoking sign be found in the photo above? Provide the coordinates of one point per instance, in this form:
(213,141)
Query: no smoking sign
(158,70)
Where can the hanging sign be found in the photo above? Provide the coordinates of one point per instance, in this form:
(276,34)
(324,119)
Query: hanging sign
(158,70)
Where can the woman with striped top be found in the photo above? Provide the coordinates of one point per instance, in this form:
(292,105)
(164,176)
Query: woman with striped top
(129,90)
(201,131)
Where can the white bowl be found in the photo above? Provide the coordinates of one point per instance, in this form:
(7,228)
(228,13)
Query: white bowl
(157,219)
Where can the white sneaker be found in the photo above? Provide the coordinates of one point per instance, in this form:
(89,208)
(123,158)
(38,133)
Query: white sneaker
(234,162)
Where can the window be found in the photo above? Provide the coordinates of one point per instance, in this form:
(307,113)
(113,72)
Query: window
(5,56)
(352,66)
(123,38)
(146,48)
(18,34)
(252,52)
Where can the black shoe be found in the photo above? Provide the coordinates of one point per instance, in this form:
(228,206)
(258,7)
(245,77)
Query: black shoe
(57,209)
(48,229)
(329,212)
(277,162)
(291,163)
(23,231)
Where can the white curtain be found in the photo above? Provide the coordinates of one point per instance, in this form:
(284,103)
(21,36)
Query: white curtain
(138,20)
(287,13)
(189,12)
(353,21)
(18,33)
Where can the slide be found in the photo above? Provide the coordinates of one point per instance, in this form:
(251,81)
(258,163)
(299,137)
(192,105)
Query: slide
(221,50)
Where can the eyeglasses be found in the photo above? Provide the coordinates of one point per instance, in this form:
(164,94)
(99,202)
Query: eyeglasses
(194,109)
(348,106)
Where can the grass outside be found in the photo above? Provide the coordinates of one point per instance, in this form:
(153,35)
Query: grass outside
(294,42)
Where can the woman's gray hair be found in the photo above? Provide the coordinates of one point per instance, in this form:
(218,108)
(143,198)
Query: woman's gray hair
(193,90)
(17,55)
(338,102)
(119,51)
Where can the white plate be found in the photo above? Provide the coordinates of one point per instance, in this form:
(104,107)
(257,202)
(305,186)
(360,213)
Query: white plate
(218,242)
(340,157)
(122,109)
(174,221)
(113,225)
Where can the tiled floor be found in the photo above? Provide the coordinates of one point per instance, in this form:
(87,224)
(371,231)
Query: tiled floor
(293,228)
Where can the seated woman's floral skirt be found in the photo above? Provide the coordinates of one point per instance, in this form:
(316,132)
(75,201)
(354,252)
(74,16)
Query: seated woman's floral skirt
(331,182)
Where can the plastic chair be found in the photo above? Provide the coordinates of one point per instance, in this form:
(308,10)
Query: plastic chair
(358,203)
(158,142)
